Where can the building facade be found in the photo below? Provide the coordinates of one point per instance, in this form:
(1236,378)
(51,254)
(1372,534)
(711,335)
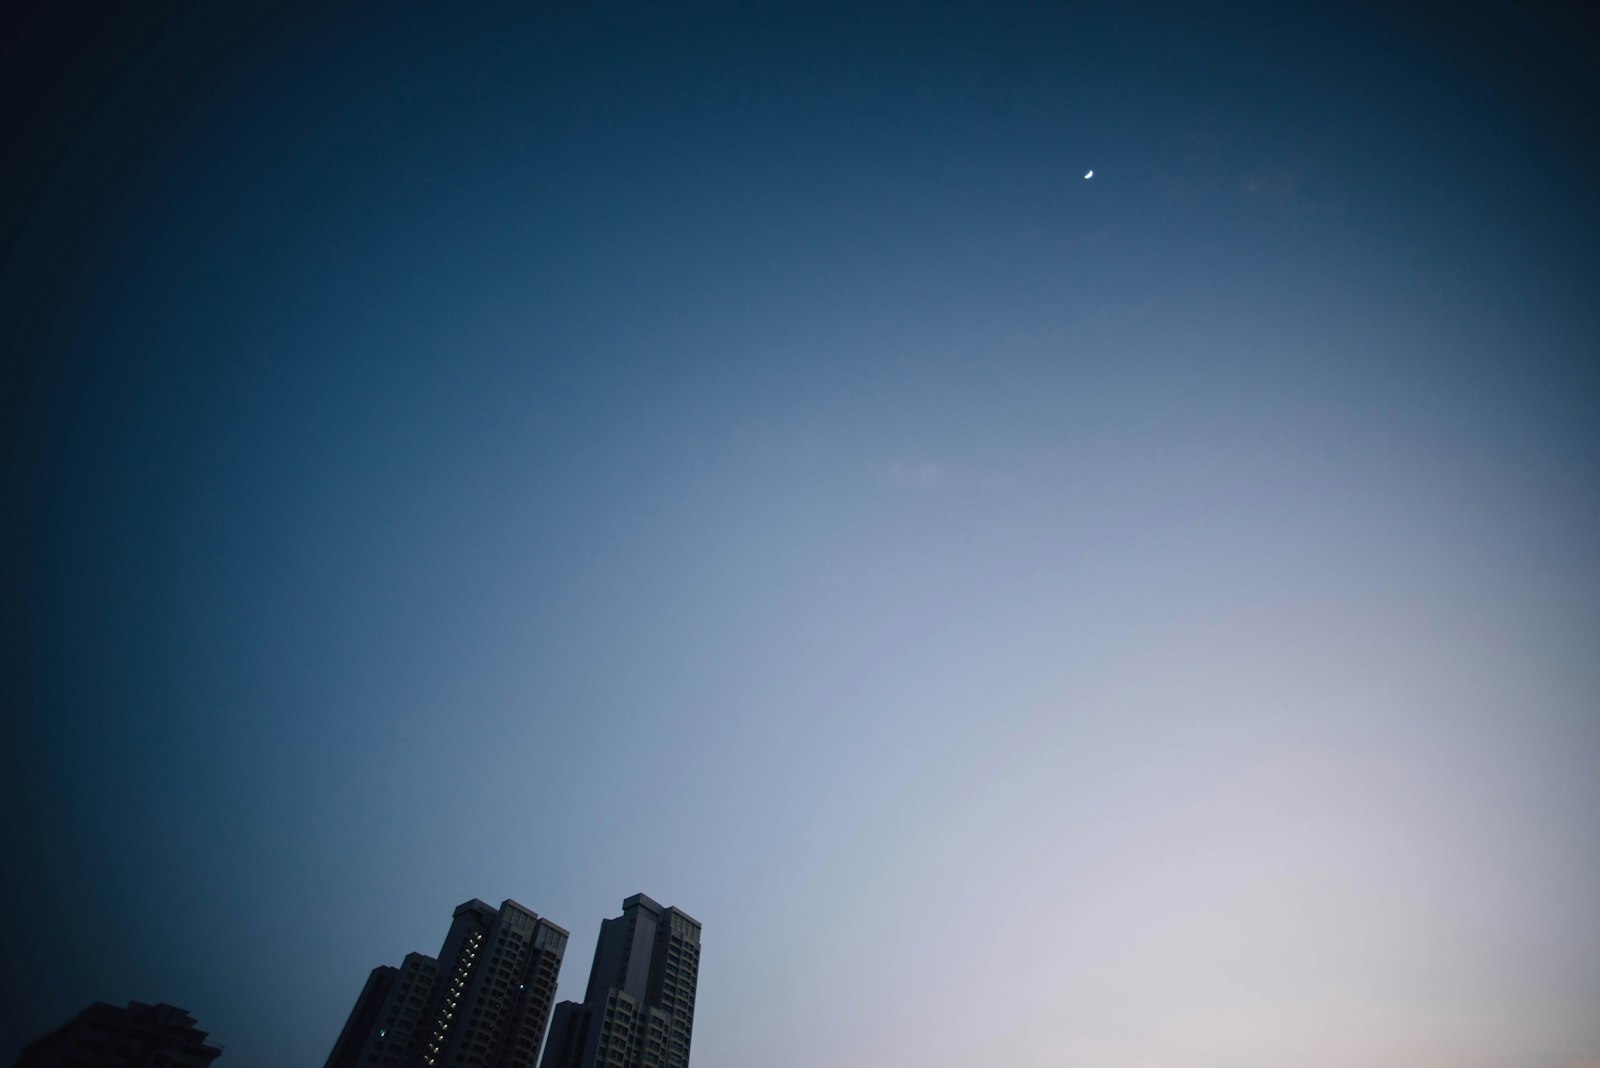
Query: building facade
(638,1010)
(108,1036)
(483,1002)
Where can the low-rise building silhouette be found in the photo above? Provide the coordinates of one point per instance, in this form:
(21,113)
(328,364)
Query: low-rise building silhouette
(110,1036)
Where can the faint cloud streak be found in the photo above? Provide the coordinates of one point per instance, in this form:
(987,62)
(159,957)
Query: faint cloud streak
(915,476)
(931,477)
(1277,184)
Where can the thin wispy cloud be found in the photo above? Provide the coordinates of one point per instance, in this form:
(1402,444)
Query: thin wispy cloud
(925,476)
(930,477)
(1277,183)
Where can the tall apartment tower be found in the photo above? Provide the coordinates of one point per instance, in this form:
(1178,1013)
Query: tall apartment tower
(482,1003)
(638,1011)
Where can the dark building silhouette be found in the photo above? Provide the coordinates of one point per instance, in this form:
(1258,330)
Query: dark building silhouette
(139,1036)
(482,1003)
(638,1011)
(364,1017)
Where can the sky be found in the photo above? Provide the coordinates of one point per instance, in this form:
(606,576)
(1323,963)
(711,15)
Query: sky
(555,452)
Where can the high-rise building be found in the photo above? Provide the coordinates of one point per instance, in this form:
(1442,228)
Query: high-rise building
(638,1011)
(482,1003)
(109,1036)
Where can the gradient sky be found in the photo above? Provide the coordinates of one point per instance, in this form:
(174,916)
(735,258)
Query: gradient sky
(1145,622)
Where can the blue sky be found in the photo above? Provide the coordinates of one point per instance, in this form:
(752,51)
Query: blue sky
(1146,622)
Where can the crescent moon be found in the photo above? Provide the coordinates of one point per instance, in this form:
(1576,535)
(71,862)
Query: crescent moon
(1090,174)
